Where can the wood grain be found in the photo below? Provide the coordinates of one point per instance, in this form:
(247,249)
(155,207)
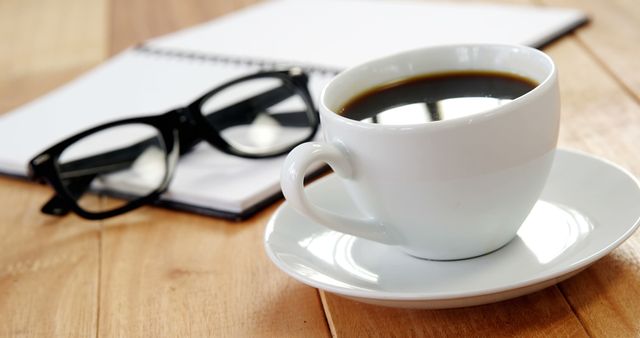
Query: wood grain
(193,275)
(612,38)
(600,117)
(168,274)
(48,268)
(156,272)
(45,43)
(542,314)
(133,22)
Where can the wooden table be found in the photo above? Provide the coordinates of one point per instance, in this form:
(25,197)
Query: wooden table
(155,272)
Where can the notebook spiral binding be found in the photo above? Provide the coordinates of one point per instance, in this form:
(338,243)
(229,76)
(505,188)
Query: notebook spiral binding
(237,60)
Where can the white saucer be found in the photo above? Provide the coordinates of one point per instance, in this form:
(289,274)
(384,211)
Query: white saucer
(587,209)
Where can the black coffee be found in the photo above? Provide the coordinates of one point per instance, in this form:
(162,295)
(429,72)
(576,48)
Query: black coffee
(436,97)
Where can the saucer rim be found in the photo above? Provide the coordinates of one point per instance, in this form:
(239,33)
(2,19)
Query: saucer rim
(567,272)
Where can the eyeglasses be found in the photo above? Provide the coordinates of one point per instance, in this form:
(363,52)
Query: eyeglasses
(256,116)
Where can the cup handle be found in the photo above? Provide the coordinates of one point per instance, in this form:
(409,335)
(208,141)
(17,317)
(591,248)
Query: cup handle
(292,182)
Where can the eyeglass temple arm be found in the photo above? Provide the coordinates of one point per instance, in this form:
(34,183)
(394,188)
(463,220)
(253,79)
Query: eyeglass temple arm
(57,206)
(80,173)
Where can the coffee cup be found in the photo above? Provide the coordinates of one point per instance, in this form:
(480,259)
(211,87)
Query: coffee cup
(443,190)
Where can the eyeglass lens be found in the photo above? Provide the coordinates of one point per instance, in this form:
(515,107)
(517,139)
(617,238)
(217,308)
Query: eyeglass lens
(269,115)
(122,161)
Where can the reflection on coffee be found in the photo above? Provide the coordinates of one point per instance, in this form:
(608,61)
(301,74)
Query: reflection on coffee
(436,97)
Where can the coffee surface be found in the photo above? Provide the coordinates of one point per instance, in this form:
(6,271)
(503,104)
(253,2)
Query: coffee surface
(436,97)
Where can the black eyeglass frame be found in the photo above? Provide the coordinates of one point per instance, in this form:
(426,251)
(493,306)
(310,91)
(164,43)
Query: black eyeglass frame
(180,130)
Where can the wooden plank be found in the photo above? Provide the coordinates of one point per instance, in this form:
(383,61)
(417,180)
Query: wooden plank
(166,273)
(613,36)
(46,43)
(605,297)
(600,117)
(137,21)
(541,314)
(48,267)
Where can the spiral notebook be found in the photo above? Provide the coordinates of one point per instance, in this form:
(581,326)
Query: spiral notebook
(322,37)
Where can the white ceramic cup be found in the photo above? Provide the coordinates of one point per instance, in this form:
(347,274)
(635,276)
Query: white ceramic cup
(444,190)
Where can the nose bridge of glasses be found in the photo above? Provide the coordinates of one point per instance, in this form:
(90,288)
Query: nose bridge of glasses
(189,133)
(76,187)
(299,77)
